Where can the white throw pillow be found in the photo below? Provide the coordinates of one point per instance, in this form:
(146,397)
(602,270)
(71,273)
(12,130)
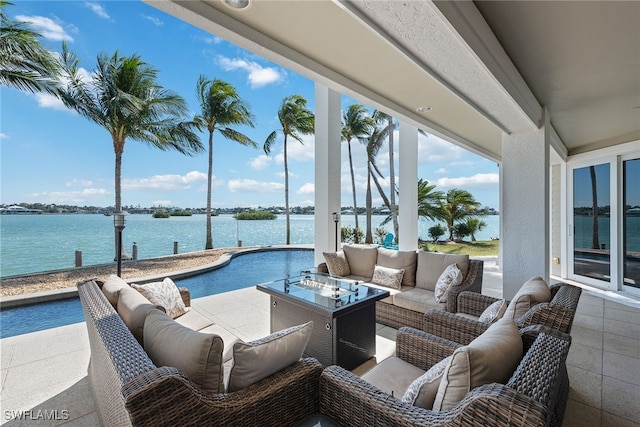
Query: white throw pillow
(259,359)
(494,312)
(422,392)
(195,354)
(165,294)
(337,263)
(386,276)
(451,276)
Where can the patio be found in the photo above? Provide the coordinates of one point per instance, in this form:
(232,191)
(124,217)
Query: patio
(44,373)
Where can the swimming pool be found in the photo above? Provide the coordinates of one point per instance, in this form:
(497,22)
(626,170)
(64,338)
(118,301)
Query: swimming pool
(245,269)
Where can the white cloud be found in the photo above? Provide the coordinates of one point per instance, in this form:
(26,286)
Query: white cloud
(46,27)
(80,197)
(165,182)
(80,183)
(162,203)
(308,188)
(250,185)
(155,21)
(45,100)
(441,170)
(260,163)
(4,135)
(434,149)
(469,181)
(97,9)
(259,76)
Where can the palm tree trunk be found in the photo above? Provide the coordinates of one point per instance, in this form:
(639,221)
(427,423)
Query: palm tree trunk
(353,189)
(118,148)
(369,236)
(392,181)
(595,241)
(209,242)
(286,192)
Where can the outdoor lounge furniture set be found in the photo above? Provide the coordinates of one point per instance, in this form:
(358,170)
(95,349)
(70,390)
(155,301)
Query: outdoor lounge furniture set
(511,372)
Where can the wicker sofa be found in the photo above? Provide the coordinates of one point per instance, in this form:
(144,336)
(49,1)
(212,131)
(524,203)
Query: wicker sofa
(130,390)
(409,301)
(463,326)
(535,395)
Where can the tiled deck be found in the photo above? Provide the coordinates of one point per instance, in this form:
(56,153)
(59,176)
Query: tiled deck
(45,372)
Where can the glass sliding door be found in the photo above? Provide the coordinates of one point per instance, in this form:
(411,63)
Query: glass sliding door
(631,222)
(591,222)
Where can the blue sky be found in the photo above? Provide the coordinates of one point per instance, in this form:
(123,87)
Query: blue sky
(50,154)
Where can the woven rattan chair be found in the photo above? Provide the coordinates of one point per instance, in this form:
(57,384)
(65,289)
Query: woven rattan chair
(535,395)
(130,390)
(557,314)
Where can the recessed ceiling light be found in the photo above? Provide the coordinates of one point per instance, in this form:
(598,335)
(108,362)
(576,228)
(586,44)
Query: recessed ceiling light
(423,109)
(237,4)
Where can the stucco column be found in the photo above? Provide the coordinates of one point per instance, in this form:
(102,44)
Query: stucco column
(327,169)
(408,188)
(524,208)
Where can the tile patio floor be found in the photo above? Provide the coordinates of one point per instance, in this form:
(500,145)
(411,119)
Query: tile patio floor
(46,371)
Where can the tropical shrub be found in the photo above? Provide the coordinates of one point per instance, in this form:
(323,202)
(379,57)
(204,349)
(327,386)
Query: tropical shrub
(436,232)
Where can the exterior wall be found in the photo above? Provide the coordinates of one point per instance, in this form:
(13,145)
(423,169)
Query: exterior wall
(408,197)
(556,221)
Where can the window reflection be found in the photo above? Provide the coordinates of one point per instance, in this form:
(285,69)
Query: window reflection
(591,215)
(631,222)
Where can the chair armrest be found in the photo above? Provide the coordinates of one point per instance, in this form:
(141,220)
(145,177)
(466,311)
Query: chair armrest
(567,296)
(451,327)
(186,296)
(165,397)
(550,315)
(474,303)
(422,349)
(472,283)
(353,402)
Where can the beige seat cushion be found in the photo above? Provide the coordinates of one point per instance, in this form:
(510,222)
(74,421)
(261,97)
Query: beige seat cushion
(361,259)
(534,291)
(164,293)
(393,376)
(337,263)
(194,320)
(417,299)
(392,292)
(133,308)
(195,354)
(432,264)
(399,260)
(227,338)
(111,288)
(259,359)
(491,357)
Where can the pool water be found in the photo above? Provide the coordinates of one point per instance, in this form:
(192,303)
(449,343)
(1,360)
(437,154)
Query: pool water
(244,270)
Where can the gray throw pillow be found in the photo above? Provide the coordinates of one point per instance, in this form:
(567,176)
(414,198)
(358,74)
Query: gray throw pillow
(337,263)
(422,392)
(389,277)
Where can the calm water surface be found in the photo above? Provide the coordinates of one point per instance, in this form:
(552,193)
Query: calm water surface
(36,243)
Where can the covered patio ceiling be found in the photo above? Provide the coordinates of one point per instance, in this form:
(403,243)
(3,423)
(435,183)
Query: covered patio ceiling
(483,67)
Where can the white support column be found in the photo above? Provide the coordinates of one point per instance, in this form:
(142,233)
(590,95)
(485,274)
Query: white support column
(524,215)
(408,193)
(327,170)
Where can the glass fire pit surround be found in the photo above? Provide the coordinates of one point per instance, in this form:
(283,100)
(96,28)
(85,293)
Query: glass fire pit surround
(342,311)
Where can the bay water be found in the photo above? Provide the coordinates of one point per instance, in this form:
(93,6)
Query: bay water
(38,243)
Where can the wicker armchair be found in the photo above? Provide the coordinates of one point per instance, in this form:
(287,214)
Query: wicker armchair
(535,395)
(557,314)
(130,390)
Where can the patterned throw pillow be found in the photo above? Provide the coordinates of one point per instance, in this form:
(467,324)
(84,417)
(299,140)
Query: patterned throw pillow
(494,312)
(385,276)
(422,391)
(451,276)
(337,263)
(165,294)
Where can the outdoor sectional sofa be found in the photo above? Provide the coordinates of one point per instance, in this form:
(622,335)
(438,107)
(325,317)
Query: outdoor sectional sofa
(415,293)
(130,389)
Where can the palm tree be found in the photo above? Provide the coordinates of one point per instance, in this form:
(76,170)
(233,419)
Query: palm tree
(124,98)
(457,205)
(429,200)
(474,225)
(595,236)
(295,120)
(24,63)
(374,143)
(355,124)
(379,116)
(220,107)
